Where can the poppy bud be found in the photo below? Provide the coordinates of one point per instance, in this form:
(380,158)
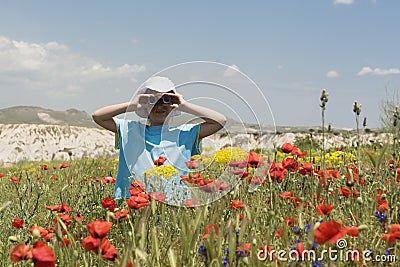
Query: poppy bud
(362,227)
(316,225)
(13,238)
(359,200)
(272,213)
(365,122)
(36,233)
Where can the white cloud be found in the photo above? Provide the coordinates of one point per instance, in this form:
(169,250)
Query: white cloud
(231,71)
(53,67)
(332,74)
(378,71)
(343,2)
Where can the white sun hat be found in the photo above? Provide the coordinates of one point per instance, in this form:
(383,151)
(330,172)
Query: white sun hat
(159,84)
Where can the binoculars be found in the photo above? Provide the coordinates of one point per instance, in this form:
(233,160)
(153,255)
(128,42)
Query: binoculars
(166,99)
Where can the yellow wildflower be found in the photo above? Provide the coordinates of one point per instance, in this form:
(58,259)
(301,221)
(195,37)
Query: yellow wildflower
(166,171)
(230,154)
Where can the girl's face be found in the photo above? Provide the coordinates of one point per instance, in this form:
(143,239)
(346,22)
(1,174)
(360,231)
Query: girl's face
(159,111)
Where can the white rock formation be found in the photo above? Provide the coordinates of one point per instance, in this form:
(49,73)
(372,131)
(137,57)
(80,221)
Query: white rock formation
(33,142)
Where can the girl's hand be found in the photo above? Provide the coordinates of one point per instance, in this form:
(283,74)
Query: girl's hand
(176,100)
(140,101)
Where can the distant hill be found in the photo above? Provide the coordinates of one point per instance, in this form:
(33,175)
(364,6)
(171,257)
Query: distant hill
(74,117)
(38,115)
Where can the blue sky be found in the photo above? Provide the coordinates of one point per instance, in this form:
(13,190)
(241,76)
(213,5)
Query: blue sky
(88,54)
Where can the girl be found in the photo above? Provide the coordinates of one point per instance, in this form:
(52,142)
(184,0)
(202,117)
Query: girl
(143,144)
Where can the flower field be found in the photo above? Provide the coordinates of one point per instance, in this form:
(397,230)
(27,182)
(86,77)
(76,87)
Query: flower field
(288,207)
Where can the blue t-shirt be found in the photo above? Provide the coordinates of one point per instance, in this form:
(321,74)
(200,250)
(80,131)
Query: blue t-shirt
(140,145)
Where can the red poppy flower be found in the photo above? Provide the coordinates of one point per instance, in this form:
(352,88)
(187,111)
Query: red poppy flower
(109,180)
(297,152)
(98,229)
(347,192)
(209,229)
(352,231)
(157,196)
(63,208)
(20,252)
(135,191)
(138,201)
(108,251)
(329,231)
(290,221)
(323,209)
(223,187)
(290,164)
(160,161)
(108,203)
(91,244)
(255,180)
(18,223)
(212,186)
(286,195)
(279,233)
(79,218)
(42,232)
(277,172)
(44,167)
(241,173)
(287,148)
(121,215)
(254,160)
(137,184)
(306,168)
(42,255)
(2,175)
(300,248)
(65,218)
(236,204)
(192,164)
(65,242)
(233,164)
(14,179)
(191,203)
(64,165)
(388,238)
(383,205)
(393,234)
